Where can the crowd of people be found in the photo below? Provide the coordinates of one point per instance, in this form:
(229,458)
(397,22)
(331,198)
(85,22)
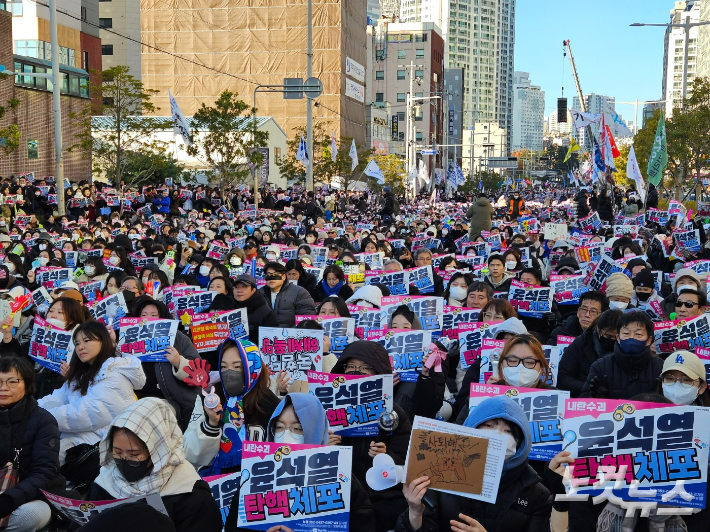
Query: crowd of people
(107,425)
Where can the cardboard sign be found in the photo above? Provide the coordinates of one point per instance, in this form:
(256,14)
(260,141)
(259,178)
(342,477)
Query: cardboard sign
(407,349)
(353,403)
(209,336)
(568,288)
(237,321)
(147,338)
(529,300)
(657,444)
(544,409)
(341,331)
(50,346)
(687,334)
(555,231)
(81,512)
(471,336)
(303,487)
(294,350)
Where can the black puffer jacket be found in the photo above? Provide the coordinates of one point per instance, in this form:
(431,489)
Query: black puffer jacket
(291,300)
(576,361)
(569,327)
(582,205)
(39,458)
(625,376)
(259,314)
(605,209)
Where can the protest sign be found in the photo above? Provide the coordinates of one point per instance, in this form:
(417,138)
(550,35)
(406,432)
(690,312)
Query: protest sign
(190,303)
(553,354)
(217,251)
(589,253)
(421,277)
(81,512)
(208,336)
(544,409)
(471,336)
(110,309)
(50,345)
(236,320)
(224,488)
(555,231)
(374,260)
(622,230)
(528,300)
(397,282)
(365,319)
(41,298)
(147,338)
(50,278)
(568,288)
(294,350)
(406,347)
(657,445)
(605,267)
(429,309)
(302,487)
(454,316)
(354,273)
(489,354)
(590,223)
(687,334)
(353,403)
(447,466)
(689,240)
(341,331)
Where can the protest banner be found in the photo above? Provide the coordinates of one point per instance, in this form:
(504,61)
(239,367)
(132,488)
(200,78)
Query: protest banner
(294,350)
(397,282)
(568,288)
(406,347)
(589,253)
(622,230)
(374,260)
(147,338)
(656,444)
(353,403)
(302,487)
(110,309)
(81,512)
(354,273)
(590,223)
(52,277)
(471,336)
(544,409)
(689,240)
(236,320)
(687,334)
(142,262)
(217,250)
(454,316)
(447,465)
(341,331)
(605,267)
(365,319)
(429,309)
(50,345)
(701,267)
(223,489)
(190,303)
(528,300)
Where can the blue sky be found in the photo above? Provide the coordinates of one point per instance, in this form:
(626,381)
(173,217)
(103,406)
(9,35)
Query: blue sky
(611,58)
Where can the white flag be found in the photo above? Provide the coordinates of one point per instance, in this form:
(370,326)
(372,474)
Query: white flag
(333,147)
(633,172)
(302,153)
(179,122)
(413,174)
(353,156)
(582,120)
(616,124)
(373,170)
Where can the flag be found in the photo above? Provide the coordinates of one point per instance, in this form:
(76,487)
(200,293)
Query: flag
(614,150)
(573,147)
(658,160)
(179,122)
(598,158)
(373,170)
(302,153)
(353,156)
(617,123)
(582,120)
(333,147)
(633,172)
(606,147)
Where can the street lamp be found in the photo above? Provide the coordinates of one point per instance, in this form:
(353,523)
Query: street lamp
(686,28)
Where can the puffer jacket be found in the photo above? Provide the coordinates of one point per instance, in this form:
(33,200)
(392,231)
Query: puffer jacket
(86,418)
(503,285)
(625,376)
(577,360)
(606,209)
(260,315)
(480,216)
(290,301)
(569,327)
(630,209)
(162,204)
(582,205)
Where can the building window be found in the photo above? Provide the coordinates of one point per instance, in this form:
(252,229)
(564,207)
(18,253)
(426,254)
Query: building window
(105,23)
(13,6)
(83,14)
(401,54)
(86,60)
(422,37)
(379,55)
(400,115)
(32,149)
(380,97)
(107,49)
(277,153)
(420,136)
(380,75)
(401,74)
(419,74)
(420,52)
(401,97)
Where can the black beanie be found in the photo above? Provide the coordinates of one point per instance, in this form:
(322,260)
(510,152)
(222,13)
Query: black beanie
(645,278)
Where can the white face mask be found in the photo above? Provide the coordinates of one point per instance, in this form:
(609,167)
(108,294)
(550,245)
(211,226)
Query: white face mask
(204,271)
(270,256)
(682,287)
(57,323)
(115,261)
(235,261)
(43,261)
(618,305)
(293,281)
(366,304)
(510,265)
(288,437)
(512,445)
(42,247)
(89,270)
(458,293)
(75,237)
(521,376)
(679,394)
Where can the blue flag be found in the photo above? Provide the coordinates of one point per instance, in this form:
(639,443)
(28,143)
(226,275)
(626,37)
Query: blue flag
(598,157)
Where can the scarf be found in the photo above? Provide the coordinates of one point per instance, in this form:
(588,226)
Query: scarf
(614,519)
(332,291)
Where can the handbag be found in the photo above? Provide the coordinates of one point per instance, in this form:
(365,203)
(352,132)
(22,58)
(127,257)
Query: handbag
(81,465)
(9,476)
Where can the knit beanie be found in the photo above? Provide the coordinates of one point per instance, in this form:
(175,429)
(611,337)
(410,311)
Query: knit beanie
(645,278)
(617,284)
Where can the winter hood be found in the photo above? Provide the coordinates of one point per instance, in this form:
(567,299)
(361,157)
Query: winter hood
(310,413)
(502,407)
(251,362)
(128,366)
(483,202)
(370,353)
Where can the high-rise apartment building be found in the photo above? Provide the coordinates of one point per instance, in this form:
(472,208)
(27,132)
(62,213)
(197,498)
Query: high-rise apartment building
(528,114)
(121,34)
(674,52)
(480,38)
(553,127)
(703,68)
(246,43)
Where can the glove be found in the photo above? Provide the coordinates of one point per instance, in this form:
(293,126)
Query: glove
(198,372)
(597,389)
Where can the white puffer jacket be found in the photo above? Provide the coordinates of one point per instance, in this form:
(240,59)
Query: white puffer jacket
(85,418)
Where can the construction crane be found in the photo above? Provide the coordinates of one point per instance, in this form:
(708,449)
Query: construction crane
(582,103)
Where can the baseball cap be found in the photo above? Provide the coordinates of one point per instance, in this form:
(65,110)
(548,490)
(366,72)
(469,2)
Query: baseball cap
(686,362)
(246,279)
(67,285)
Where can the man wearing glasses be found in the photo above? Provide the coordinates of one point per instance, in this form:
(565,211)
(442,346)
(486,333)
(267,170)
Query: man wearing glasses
(690,304)
(591,305)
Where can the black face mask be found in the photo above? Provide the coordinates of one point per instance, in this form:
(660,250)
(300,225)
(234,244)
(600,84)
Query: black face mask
(643,297)
(606,343)
(232,381)
(133,471)
(355,373)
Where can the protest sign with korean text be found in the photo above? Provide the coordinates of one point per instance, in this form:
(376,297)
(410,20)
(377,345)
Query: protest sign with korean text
(687,334)
(568,288)
(407,347)
(110,309)
(81,512)
(454,316)
(429,309)
(528,300)
(471,336)
(147,338)
(294,350)
(50,345)
(341,331)
(224,488)
(237,321)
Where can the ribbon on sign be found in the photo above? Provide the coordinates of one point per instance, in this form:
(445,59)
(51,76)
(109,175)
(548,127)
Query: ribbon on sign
(435,358)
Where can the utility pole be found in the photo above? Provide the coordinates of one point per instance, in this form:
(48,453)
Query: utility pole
(309,107)
(57,107)
(410,131)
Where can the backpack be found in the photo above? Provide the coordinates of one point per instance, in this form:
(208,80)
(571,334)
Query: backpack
(395,205)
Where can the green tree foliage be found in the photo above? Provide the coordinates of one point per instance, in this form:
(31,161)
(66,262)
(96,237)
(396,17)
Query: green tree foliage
(151,167)
(557,156)
(491,181)
(10,134)
(620,177)
(392,168)
(226,137)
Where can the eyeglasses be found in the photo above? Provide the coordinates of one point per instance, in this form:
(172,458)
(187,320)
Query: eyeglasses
(688,304)
(590,311)
(493,316)
(513,362)
(362,369)
(685,381)
(11,383)
(133,461)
